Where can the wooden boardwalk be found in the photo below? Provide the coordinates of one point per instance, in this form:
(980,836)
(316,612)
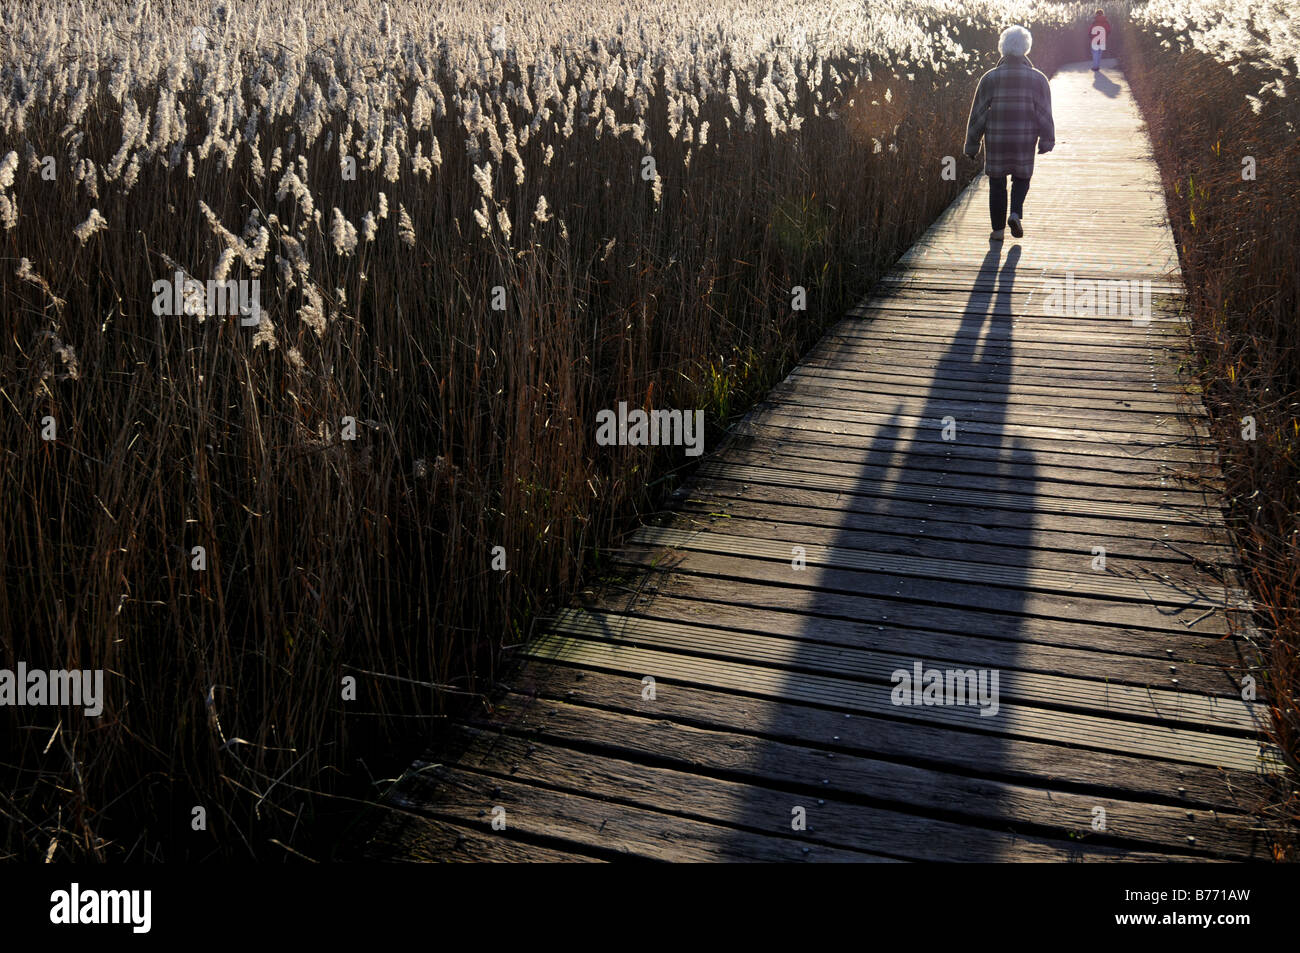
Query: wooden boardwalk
(932,486)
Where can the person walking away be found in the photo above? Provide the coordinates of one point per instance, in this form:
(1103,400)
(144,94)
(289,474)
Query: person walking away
(1011,112)
(1098,37)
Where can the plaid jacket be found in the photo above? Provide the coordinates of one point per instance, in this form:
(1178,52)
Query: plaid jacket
(1012,112)
(1102,22)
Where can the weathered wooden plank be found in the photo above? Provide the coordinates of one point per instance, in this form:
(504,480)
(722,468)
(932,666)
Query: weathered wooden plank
(893,509)
(976,335)
(923,541)
(981,474)
(870,663)
(784,431)
(932,316)
(979,755)
(1198,676)
(1040,395)
(416,839)
(844,356)
(1143,426)
(1153,588)
(600,823)
(1108,734)
(1175,450)
(1130,415)
(1035,298)
(787,584)
(804,436)
(963,520)
(1006,806)
(1004,337)
(940,281)
(856,336)
(739,808)
(1182,516)
(1154,363)
(900,533)
(1211,646)
(936,251)
(833,356)
(930,416)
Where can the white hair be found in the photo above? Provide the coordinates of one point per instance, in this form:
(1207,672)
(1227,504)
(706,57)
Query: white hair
(1015,41)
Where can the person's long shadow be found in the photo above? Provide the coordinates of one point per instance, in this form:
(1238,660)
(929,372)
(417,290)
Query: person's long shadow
(925,472)
(1104,83)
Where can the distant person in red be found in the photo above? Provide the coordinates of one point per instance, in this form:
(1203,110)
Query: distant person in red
(1098,36)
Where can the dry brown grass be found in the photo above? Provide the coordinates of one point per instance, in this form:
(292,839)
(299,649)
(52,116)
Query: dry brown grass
(1241,262)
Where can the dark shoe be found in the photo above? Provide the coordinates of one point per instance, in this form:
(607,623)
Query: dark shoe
(1017,229)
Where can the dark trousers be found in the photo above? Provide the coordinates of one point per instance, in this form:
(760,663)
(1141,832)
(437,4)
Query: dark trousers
(998,198)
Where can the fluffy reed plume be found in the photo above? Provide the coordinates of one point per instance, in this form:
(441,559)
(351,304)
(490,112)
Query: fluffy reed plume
(93,224)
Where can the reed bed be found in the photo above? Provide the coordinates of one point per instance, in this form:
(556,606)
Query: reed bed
(1217,84)
(393,470)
